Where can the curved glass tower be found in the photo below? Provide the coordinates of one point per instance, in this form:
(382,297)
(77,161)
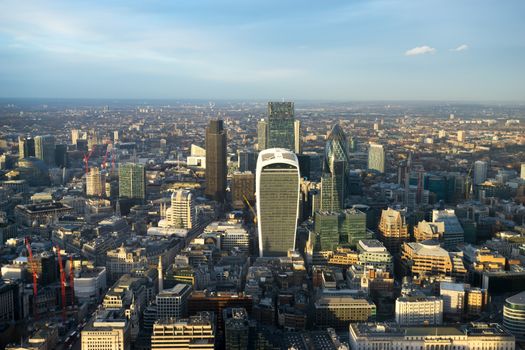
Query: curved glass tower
(277,191)
(334,182)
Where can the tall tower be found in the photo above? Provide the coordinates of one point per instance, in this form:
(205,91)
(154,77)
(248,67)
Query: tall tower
(95,183)
(132,181)
(262,135)
(216,161)
(281,125)
(45,149)
(334,181)
(522,175)
(298,137)
(376,158)
(393,229)
(181,214)
(160,275)
(480,172)
(277,192)
(26,147)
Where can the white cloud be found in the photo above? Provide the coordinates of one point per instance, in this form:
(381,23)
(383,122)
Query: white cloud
(461,47)
(420,50)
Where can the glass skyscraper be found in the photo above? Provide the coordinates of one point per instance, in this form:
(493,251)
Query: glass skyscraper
(277,192)
(216,161)
(281,132)
(45,149)
(376,158)
(132,181)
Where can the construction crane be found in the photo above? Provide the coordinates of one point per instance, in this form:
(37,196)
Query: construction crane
(62,283)
(104,161)
(33,270)
(251,209)
(72,279)
(86,158)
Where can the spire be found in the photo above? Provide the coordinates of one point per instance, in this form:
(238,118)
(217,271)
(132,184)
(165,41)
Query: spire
(161,277)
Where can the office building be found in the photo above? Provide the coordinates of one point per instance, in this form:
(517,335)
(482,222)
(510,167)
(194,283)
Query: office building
(95,183)
(461,136)
(281,125)
(298,137)
(426,258)
(108,330)
(216,169)
(132,181)
(173,302)
(26,147)
(514,315)
(262,135)
(454,297)
(326,228)
(9,302)
(75,136)
(376,158)
(338,311)
(353,227)
(181,213)
(373,253)
(238,329)
(417,311)
(61,155)
(453,233)
(522,174)
(388,336)
(334,181)
(195,332)
(277,193)
(247,161)
(45,149)
(243,189)
(480,172)
(393,229)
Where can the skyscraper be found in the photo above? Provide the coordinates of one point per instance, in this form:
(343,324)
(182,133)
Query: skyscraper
(262,135)
(26,147)
(181,214)
(277,192)
(61,155)
(132,181)
(243,188)
(522,171)
(45,149)
(480,172)
(335,171)
(247,161)
(393,229)
(281,125)
(216,161)
(376,158)
(298,137)
(95,183)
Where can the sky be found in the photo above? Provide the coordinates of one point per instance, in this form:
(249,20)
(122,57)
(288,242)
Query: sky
(270,49)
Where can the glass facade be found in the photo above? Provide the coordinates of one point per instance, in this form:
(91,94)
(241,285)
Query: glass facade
(281,132)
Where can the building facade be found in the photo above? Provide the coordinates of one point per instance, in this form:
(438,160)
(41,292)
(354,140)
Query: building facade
(216,169)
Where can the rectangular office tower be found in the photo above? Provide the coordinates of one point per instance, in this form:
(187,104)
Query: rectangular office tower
(281,132)
(26,147)
(277,192)
(376,158)
(216,161)
(45,149)
(132,181)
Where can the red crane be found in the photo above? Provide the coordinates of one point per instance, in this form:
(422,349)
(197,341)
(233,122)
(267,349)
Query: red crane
(62,282)
(86,158)
(113,162)
(72,279)
(104,161)
(33,269)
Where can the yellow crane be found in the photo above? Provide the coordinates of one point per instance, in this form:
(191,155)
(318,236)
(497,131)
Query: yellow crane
(251,209)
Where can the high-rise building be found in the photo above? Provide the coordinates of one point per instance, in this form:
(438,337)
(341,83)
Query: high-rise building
(326,230)
(216,169)
(247,161)
(298,137)
(26,147)
(238,328)
(195,332)
(61,155)
(334,181)
(132,181)
(514,315)
(353,228)
(243,189)
(277,193)
(262,135)
(522,175)
(393,229)
(45,149)
(415,311)
(480,172)
(376,158)
(453,233)
(181,214)
(281,125)
(173,302)
(95,183)
(75,135)
(461,136)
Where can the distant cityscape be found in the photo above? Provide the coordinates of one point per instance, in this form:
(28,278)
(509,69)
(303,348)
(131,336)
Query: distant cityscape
(193,224)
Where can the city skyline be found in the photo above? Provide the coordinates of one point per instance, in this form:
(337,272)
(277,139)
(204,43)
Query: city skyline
(359,50)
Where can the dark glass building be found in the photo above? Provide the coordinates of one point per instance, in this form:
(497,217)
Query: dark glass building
(216,169)
(281,133)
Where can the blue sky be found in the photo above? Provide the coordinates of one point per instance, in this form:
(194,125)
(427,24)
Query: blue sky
(331,50)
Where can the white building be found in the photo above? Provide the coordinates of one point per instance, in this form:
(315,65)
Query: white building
(173,302)
(376,158)
(277,192)
(417,311)
(453,231)
(514,315)
(89,284)
(109,330)
(454,297)
(522,175)
(475,336)
(480,172)
(181,213)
